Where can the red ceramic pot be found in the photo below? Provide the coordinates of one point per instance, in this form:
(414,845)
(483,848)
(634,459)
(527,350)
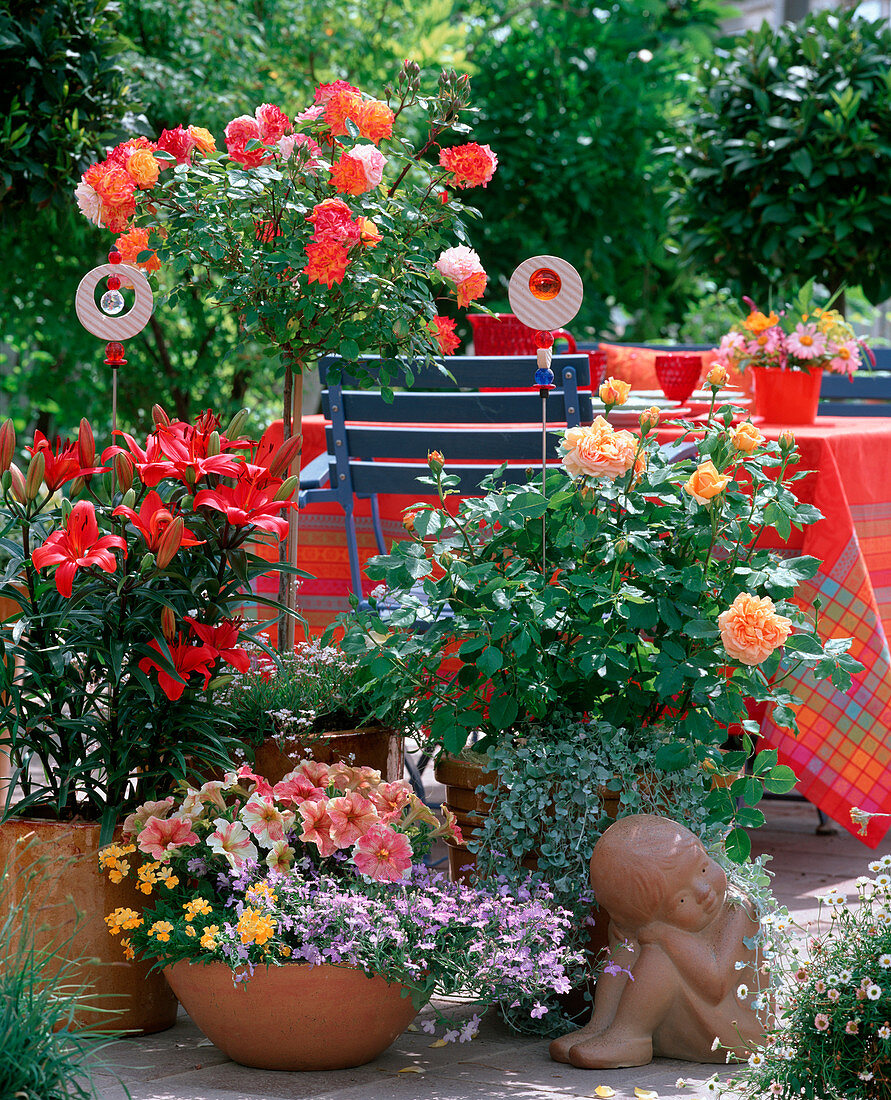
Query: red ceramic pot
(787,397)
(678,375)
(295,1016)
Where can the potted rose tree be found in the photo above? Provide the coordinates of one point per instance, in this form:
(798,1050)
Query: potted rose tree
(324,231)
(129,591)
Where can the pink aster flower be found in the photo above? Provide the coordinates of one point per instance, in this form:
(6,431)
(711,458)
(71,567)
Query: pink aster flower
(265,820)
(317,827)
(821,1021)
(352,815)
(845,357)
(383,854)
(806,342)
(162,835)
(232,840)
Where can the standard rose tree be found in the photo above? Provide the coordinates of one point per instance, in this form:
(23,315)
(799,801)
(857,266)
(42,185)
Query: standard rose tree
(681,976)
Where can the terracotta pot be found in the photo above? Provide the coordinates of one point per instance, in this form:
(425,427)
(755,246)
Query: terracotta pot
(787,397)
(56,863)
(378,747)
(293,1017)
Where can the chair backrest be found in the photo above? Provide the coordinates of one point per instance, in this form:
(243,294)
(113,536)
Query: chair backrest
(867,393)
(381,447)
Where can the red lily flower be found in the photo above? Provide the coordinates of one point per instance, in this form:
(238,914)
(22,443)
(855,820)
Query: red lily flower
(222,637)
(61,463)
(248,502)
(77,547)
(185,658)
(152,520)
(186,457)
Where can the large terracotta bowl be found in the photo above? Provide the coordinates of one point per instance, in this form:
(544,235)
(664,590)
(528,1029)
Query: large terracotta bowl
(293,1017)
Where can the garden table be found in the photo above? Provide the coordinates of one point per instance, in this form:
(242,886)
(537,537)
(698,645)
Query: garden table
(842,754)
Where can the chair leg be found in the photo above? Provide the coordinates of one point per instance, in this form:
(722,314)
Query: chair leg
(376,525)
(353,553)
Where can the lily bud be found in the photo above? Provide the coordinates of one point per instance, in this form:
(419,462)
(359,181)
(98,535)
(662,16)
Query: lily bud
(123,471)
(159,416)
(213,444)
(147,563)
(169,543)
(7,444)
(66,509)
(281,461)
(77,486)
(129,499)
(17,482)
(168,623)
(286,490)
(236,424)
(86,444)
(34,477)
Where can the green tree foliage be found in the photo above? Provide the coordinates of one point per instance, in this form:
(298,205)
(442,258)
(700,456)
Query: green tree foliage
(783,169)
(576,99)
(61,95)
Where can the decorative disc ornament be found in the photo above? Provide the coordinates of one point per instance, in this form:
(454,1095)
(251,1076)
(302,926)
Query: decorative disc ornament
(545,292)
(113,325)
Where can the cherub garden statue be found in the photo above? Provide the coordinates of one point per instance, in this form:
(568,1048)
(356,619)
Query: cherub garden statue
(678,951)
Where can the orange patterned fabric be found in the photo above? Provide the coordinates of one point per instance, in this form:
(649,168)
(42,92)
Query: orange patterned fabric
(637,366)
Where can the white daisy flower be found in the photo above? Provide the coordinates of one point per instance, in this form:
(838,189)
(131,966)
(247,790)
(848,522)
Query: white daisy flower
(742,991)
(873,992)
(876,866)
(883,879)
(885,961)
(884,1032)
(832,979)
(844,977)
(756,1059)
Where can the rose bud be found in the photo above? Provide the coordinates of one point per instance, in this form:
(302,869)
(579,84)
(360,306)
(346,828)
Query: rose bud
(716,376)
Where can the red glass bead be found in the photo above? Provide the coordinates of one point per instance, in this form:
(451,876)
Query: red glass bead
(114,257)
(544,339)
(545,284)
(114,354)
(114,282)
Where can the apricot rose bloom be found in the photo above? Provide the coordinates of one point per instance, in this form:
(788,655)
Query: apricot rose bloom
(598,451)
(705,482)
(716,376)
(747,437)
(614,392)
(751,629)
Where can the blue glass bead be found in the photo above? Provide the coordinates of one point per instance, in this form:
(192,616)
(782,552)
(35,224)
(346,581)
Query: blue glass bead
(544,376)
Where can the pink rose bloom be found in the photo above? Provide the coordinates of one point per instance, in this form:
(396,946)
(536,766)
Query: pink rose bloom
(162,835)
(383,854)
(89,202)
(352,815)
(372,160)
(238,133)
(845,357)
(312,149)
(311,113)
(459,263)
(273,123)
(751,629)
(806,342)
(265,820)
(598,451)
(317,827)
(137,820)
(232,840)
(325,91)
(179,143)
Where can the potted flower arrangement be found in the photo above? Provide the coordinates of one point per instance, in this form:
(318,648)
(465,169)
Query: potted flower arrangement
(787,351)
(312,699)
(298,928)
(129,591)
(325,231)
(833,1036)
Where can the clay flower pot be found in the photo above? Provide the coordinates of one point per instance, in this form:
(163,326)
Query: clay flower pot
(378,747)
(293,1017)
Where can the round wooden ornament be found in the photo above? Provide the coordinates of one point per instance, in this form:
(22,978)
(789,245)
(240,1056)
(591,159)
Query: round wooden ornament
(107,326)
(545,292)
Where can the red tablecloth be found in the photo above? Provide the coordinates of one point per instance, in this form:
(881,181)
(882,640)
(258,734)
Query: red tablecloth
(843,752)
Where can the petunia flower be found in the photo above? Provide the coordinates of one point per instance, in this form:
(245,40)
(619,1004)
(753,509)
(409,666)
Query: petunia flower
(383,854)
(317,827)
(78,546)
(162,835)
(265,820)
(232,840)
(352,815)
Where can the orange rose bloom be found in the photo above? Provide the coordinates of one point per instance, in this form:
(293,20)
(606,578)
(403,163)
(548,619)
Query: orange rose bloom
(614,392)
(442,329)
(341,106)
(348,176)
(131,244)
(326,262)
(751,630)
(716,376)
(756,322)
(371,236)
(375,120)
(599,451)
(204,139)
(705,483)
(747,437)
(143,169)
(474,286)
